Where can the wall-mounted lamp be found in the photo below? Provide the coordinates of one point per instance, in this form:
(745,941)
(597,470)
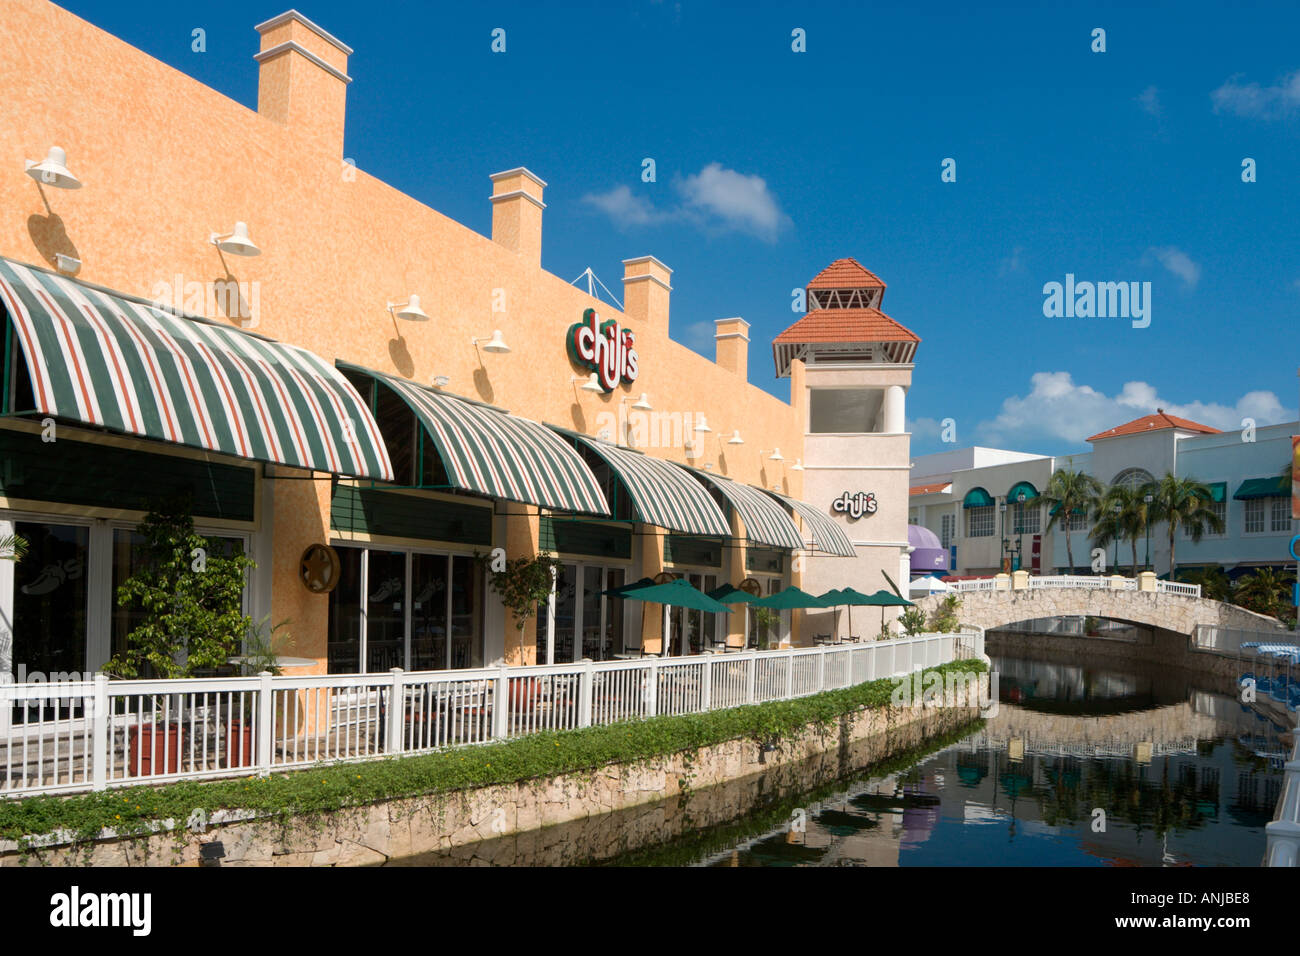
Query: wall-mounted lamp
(798,465)
(642,404)
(236,243)
(53,170)
(441,381)
(775,456)
(702,425)
(735,439)
(494,344)
(411,311)
(591,384)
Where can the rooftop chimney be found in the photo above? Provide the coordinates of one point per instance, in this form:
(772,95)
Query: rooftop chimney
(517,212)
(303,79)
(731,345)
(646,291)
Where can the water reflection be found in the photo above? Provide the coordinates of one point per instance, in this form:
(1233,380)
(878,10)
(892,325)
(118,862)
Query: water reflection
(1079,766)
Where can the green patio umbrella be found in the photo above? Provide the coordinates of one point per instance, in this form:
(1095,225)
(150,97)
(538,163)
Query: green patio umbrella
(730,595)
(622,589)
(884,599)
(678,593)
(788,599)
(847,597)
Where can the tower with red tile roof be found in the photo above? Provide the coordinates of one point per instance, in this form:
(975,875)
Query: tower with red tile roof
(850,366)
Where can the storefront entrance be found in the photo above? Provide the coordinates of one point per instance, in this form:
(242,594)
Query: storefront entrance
(586,623)
(420,611)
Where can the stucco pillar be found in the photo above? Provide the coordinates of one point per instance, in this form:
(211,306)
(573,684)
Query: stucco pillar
(521,541)
(652,564)
(733,567)
(1147,581)
(893,410)
(1020,580)
(1002,581)
(1117,582)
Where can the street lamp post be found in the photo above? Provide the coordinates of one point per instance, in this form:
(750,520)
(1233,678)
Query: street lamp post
(1002,533)
(1146,520)
(1115,509)
(1020,531)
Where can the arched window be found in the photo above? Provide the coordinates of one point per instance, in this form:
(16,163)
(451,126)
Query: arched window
(1133,478)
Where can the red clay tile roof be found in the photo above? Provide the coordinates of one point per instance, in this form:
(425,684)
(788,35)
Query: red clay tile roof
(930,488)
(846,325)
(1151,423)
(845,274)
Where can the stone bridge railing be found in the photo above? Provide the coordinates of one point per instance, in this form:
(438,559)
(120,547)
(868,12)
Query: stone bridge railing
(1009,598)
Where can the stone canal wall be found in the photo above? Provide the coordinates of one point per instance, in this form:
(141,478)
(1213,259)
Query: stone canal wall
(641,792)
(1165,648)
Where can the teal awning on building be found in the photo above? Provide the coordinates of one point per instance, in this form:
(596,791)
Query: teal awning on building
(1020,487)
(1278,486)
(977,498)
(1074,511)
(1218,490)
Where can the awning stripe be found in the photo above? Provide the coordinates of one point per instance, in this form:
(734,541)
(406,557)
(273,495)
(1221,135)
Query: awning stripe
(766,522)
(663,494)
(490,452)
(827,535)
(110,360)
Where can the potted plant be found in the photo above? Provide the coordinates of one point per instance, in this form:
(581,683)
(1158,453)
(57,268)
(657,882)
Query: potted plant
(190,606)
(913,621)
(524,584)
(1091,626)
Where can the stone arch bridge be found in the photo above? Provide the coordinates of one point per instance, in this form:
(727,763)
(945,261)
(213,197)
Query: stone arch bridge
(1008,599)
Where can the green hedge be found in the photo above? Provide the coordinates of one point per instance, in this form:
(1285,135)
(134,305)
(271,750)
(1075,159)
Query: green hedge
(548,754)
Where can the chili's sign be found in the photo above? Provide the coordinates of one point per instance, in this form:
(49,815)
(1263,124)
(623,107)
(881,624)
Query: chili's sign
(604,347)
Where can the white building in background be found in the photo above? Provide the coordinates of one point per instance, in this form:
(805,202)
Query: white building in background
(981,502)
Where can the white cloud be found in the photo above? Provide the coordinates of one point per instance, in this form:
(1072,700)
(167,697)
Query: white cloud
(715,198)
(1258,102)
(1177,262)
(1059,408)
(1149,100)
(737,201)
(625,207)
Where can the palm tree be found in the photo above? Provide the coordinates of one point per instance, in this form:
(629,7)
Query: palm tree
(13,547)
(1069,491)
(1121,516)
(1183,502)
(1264,590)
(1214,583)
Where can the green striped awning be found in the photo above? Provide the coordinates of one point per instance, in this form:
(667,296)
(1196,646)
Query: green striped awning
(766,522)
(112,360)
(662,493)
(1278,486)
(491,452)
(827,535)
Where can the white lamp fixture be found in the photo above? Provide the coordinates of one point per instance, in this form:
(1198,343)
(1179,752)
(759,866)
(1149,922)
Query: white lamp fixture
(236,243)
(441,381)
(53,170)
(411,311)
(702,425)
(798,465)
(591,384)
(494,344)
(735,439)
(776,455)
(642,404)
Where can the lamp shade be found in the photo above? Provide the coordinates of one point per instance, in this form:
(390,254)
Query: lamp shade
(238,243)
(412,311)
(53,170)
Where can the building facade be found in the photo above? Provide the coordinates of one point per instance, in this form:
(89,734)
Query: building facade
(970,498)
(365,396)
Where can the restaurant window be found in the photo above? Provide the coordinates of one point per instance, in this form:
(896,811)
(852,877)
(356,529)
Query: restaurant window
(408,609)
(947,524)
(1219,508)
(979,522)
(588,623)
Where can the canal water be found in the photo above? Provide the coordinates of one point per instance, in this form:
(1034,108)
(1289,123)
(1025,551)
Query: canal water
(1116,765)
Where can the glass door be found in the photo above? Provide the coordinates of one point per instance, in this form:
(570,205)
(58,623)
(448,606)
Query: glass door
(44,612)
(429,647)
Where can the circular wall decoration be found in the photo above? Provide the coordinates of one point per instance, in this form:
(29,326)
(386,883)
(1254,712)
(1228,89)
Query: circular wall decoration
(319,569)
(665,577)
(751,586)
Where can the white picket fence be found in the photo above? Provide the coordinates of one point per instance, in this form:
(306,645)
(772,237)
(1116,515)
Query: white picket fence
(93,735)
(1098,582)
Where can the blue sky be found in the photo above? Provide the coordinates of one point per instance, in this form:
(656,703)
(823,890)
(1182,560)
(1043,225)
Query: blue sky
(1117,166)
